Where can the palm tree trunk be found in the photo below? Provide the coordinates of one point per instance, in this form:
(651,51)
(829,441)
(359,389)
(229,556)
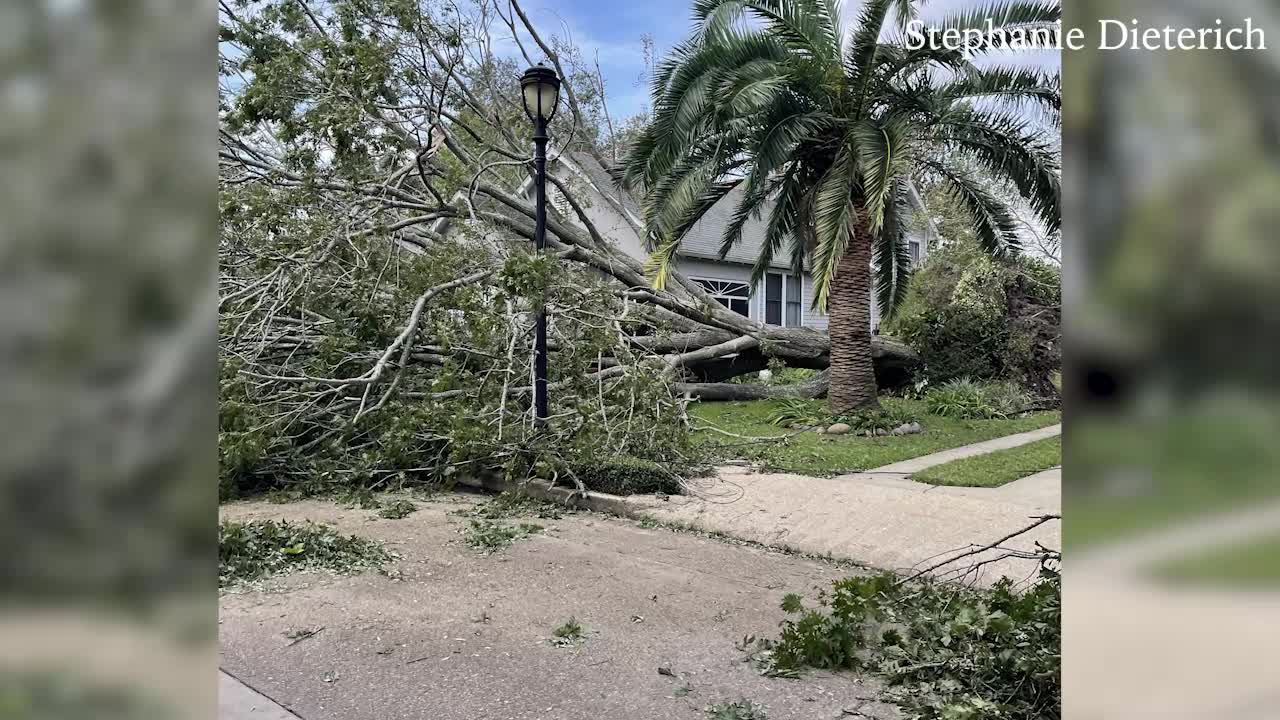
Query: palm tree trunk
(853,379)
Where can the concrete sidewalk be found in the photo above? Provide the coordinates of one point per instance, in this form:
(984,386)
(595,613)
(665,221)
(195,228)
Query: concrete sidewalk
(461,635)
(1174,652)
(880,518)
(237,701)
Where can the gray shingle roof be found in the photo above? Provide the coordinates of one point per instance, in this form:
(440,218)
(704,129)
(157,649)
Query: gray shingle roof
(703,239)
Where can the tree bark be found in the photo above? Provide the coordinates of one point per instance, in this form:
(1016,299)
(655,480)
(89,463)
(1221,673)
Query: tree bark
(815,388)
(894,362)
(853,380)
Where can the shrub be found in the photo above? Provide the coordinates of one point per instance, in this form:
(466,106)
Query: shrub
(968,400)
(799,413)
(624,475)
(872,420)
(950,652)
(1007,397)
(968,315)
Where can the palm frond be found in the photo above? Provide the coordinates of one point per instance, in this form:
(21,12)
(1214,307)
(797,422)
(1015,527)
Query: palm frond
(1008,85)
(882,156)
(806,26)
(686,101)
(1003,15)
(1008,148)
(993,222)
(783,220)
(860,58)
(658,266)
(892,254)
(834,215)
(681,197)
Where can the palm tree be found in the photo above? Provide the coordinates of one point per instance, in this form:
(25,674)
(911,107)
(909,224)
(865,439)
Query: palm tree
(824,128)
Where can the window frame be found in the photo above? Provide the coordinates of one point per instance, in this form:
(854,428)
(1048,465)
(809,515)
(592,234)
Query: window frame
(720,294)
(788,280)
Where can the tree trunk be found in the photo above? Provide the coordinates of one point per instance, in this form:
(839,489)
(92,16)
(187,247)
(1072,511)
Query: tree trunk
(853,379)
(815,388)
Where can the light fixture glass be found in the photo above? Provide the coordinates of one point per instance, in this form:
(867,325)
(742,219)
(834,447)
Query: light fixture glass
(540,90)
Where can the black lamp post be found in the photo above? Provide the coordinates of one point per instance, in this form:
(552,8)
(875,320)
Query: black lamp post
(540,90)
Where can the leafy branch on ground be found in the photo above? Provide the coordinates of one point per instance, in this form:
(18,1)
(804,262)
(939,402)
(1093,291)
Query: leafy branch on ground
(512,505)
(568,634)
(397,509)
(258,549)
(949,652)
(742,709)
(490,536)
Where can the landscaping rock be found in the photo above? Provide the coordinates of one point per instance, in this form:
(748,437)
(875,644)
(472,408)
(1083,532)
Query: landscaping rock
(881,432)
(907,429)
(838,429)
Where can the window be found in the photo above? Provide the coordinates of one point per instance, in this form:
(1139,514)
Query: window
(782,300)
(773,299)
(793,300)
(915,252)
(733,295)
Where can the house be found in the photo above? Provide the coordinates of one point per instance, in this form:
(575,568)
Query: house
(780,298)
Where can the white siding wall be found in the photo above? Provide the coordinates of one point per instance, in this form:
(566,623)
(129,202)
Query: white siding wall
(812,318)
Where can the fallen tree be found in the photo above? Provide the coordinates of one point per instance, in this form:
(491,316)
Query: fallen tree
(377,280)
(808,390)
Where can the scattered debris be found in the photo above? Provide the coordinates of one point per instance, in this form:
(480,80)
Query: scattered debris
(489,536)
(741,710)
(569,634)
(257,549)
(397,510)
(298,636)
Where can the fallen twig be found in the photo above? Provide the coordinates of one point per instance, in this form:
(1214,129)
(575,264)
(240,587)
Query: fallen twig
(978,549)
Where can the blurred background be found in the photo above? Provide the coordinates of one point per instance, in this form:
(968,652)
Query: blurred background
(1172,446)
(107,349)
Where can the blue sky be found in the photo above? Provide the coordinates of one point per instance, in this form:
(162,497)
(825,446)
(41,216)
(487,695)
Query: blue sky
(613,28)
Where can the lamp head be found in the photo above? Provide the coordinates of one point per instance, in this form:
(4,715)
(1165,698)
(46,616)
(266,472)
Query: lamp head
(540,90)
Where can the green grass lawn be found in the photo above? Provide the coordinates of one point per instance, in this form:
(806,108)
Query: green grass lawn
(997,468)
(813,454)
(1248,565)
(1128,476)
